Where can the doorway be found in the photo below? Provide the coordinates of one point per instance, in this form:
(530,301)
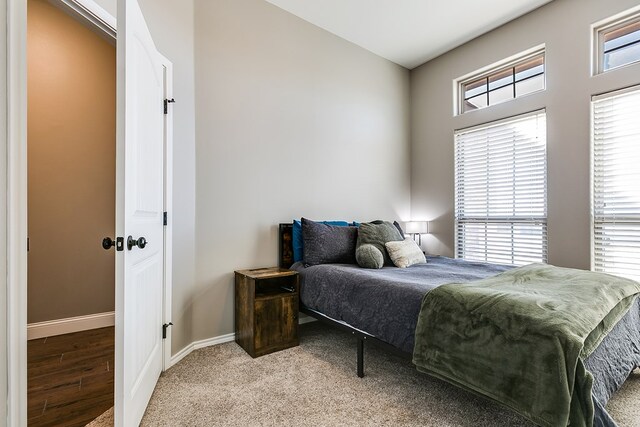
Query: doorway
(71,155)
(132,31)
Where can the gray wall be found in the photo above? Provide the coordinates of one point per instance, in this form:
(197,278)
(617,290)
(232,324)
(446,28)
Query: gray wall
(564,26)
(171,25)
(290,121)
(279,100)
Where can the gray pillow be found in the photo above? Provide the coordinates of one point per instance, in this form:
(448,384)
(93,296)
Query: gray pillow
(369,256)
(377,233)
(328,244)
(399,228)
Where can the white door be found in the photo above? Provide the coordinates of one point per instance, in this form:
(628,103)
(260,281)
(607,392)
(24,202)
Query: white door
(139,214)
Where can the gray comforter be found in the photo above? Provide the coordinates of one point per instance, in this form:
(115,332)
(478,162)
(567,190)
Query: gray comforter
(386,303)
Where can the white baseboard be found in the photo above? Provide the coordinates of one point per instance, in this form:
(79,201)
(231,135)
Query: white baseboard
(70,325)
(201,344)
(217,340)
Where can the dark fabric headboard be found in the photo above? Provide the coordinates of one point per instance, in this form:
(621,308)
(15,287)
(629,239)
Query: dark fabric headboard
(285,245)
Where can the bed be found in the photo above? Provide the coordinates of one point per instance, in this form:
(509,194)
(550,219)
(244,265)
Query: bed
(382,306)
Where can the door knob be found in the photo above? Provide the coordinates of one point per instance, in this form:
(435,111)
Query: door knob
(141,242)
(108,243)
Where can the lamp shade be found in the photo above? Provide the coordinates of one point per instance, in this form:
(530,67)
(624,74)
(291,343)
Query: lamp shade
(417,227)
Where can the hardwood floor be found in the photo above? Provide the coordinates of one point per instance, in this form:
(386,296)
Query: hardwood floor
(70,377)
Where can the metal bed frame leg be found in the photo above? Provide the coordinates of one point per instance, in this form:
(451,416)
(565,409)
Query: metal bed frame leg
(361,357)
(360,337)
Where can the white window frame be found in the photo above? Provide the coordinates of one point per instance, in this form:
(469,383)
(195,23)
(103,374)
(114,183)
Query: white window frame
(496,67)
(602,28)
(533,220)
(592,178)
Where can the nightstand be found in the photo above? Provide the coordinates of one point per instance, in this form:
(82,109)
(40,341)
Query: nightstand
(266,315)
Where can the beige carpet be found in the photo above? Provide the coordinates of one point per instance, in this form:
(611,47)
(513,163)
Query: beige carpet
(104,420)
(315,385)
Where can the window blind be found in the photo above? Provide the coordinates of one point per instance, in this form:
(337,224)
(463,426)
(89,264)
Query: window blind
(501,191)
(616,178)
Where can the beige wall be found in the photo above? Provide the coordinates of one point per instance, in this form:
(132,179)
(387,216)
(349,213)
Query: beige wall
(564,26)
(71,156)
(336,103)
(290,121)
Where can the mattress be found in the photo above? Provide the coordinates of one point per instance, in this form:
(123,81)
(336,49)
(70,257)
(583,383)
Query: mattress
(385,303)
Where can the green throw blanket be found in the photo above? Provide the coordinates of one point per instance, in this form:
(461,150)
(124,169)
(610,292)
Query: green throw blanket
(520,337)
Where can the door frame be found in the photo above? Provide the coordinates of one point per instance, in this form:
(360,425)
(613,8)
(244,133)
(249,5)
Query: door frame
(16,221)
(3,212)
(168,208)
(15,195)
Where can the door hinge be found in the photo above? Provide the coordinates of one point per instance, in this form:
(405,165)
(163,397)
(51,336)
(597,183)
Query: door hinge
(166,104)
(164,330)
(165,219)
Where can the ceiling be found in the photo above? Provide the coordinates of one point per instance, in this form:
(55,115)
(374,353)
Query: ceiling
(408,32)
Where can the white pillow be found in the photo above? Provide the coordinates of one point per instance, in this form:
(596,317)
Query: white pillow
(405,253)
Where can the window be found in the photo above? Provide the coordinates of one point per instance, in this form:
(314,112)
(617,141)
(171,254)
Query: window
(501,191)
(618,42)
(615,178)
(516,78)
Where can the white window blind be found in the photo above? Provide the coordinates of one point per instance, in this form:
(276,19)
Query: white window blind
(501,191)
(616,183)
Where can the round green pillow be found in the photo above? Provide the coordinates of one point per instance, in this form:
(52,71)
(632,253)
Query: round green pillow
(369,256)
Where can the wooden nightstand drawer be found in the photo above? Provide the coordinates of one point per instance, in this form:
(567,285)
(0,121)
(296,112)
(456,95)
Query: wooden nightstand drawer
(266,315)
